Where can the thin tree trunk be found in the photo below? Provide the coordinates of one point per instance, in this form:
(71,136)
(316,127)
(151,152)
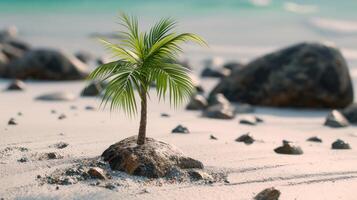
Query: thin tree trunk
(143,116)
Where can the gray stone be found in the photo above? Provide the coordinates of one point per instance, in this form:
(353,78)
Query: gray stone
(16,85)
(180,129)
(212,137)
(197,102)
(336,120)
(314,139)
(46,64)
(268,194)
(62,116)
(303,75)
(12,121)
(246,138)
(219,111)
(57,96)
(92,90)
(287,148)
(340,144)
(153,159)
(197,175)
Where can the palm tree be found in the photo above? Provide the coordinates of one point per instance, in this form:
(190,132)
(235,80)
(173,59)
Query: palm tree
(145,58)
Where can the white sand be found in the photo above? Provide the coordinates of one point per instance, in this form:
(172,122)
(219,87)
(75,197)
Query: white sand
(320,173)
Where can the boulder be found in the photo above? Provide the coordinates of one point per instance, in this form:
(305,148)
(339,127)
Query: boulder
(153,159)
(303,75)
(96,172)
(57,96)
(268,194)
(46,64)
(219,99)
(340,144)
(350,113)
(336,120)
(91,90)
(219,111)
(287,148)
(16,85)
(180,129)
(197,102)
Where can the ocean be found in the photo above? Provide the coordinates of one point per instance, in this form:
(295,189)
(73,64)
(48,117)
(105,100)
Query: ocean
(235,29)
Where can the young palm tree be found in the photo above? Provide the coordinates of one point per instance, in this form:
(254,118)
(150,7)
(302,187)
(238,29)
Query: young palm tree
(145,58)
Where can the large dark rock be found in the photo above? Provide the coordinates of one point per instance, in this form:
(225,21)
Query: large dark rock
(197,102)
(303,75)
(220,108)
(92,89)
(350,113)
(46,64)
(16,85)
(335,120)
(153,159)
(287,148)
(340,144)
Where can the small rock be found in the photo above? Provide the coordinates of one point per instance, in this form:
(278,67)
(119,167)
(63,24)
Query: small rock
(268,194)
(96,172)
(38,176)
(258,119)
(212,137)
(340,144)
(53,112)
(246,138)
(23,159)
(93,89)
(248,122)
(180,129)
(314,139)
(89,108)
(12,121)
(19,114)
(288,149)
(73,107)
(197,102)
(110,186)
(16,85)
(165,115)
(62,116)
(60,145)
(57,96)
(336,120)
(197,175)
(57,187)
(51,156)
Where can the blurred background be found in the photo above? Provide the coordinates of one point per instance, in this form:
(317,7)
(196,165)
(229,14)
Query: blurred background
(235,29)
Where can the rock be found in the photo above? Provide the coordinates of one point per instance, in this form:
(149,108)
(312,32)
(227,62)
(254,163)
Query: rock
(197,175)
(46,64)
(212,137)
(110,186)
(84,56)
(251,122)
(197,102)
(60,145)
(314,139)
(219,99)
(19,114)
(16,85)
(153,159)
(165,115)
(214,73)
(268,194)
(335,120)
(350,113)
(50,156)
(288,149)
(62,116)
(93,89)
(23,159)
(258,119)
(219,111)
(12,121)
(180,129)
(246,138)
(340,144)
(303,75)
(244,108)
(196,83)
(233,66)
(96,172)
(57,96)
(89,108)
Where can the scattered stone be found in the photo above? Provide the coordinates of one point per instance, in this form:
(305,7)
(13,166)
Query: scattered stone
(251,122)
(197,102)
(23,159)
(336,120)
(73,107)
(12,121)
(38,176)
(180,129)
(96,172)
(212,137)
(62,116)
(46,64)
(50,156)
(303,75)
(92,90)
(244,108)
(89,108)
(258,119)
(314,139)
(246,138)
(60,145)
(268,194)
(287,148)
(165,115)
(57,96)
(53,112)
(153,159)
(340,144)
(16,85)
(350,112)
(19,114)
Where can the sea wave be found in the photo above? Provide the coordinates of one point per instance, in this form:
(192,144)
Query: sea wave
(260,2)
(334,25)
(300,8)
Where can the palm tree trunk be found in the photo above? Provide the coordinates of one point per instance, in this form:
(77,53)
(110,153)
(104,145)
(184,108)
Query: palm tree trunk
(143,116)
